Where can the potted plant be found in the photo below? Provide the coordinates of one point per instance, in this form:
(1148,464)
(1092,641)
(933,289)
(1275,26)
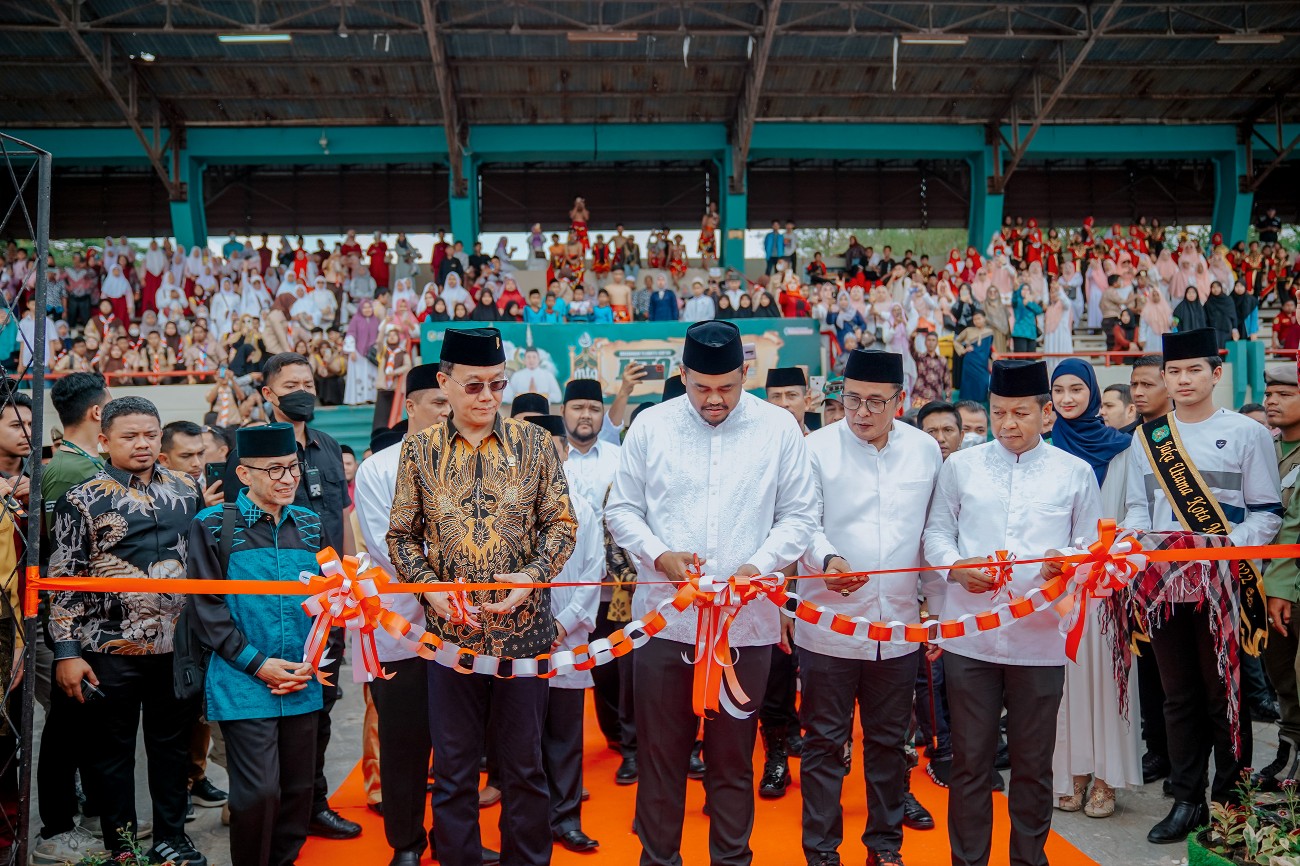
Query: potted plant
(134,855)
(1252,834)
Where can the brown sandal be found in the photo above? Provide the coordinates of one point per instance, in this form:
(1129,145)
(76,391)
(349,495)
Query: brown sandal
(1074,803)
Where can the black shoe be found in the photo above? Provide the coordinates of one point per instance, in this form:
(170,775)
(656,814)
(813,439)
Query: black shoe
(1182,819)
(1286,765)
(1003,759)
(377,808)
(1154,767)
(1265,711)
(916,816)
(577,841)
(180,851)
(939,771)
(794,744)
(776,768)
(627,772)
(328,824)
(1167,788)
(204,793)
(190,814)
(884,858)
(695,769)
(405,858)
(490,857)
(998,784)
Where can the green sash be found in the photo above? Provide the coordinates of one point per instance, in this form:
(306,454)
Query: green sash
(1198,511)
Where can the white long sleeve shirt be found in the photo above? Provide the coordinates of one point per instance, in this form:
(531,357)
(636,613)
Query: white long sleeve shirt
(576,607)
(376,484)
(538,381)
(1236,457)
(872,505)
(989,499)
(591,474)
(736,493)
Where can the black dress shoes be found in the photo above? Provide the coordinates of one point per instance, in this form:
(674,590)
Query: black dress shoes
(1182,819)
(627,772)
(577,841)
(1154,767)
(490,858)
(695,768)
(405,858)
(328,824)
(916,816)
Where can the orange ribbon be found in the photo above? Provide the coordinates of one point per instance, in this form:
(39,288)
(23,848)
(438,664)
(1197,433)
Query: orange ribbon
(346,594)
(1114,560)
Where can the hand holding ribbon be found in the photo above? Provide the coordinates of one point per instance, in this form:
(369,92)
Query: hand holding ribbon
(1112,562)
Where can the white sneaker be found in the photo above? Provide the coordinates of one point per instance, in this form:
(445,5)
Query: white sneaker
(95,827)
(70,847)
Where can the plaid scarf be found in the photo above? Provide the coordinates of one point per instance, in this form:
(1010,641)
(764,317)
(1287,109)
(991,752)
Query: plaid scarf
(1163,584)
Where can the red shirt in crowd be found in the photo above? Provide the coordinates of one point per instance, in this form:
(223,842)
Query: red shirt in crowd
(1287,330)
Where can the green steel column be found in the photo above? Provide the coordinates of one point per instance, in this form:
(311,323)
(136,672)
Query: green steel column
(1237,360)
(734,211)
(464,209)
(1255,363)
(1231,205)
(985,207)
(189,222)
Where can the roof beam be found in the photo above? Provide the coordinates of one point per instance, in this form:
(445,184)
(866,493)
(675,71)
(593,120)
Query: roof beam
(153,149)
(747,109)
(999,183)
(451,114)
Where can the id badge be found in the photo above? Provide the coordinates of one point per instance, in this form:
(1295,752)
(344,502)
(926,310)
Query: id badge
(315,489)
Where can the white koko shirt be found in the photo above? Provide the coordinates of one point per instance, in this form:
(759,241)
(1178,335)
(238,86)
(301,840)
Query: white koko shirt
(741,492)
(576,607)
(873,506)
(989,499)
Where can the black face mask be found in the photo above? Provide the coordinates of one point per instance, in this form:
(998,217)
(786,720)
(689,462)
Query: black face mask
(298,405)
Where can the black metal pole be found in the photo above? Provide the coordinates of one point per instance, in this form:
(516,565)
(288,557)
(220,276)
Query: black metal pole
(35,507)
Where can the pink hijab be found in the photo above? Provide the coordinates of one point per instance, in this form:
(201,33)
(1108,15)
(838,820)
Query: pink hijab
(979,285)
(1157,314)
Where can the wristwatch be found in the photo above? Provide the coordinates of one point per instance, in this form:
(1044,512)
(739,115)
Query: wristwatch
(826,560)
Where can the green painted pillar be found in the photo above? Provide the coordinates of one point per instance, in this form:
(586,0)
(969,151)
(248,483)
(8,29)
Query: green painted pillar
(464,209)
(189,222)
(734,212)
(1255,365)
(1238,358)
(985,207)
(1231,206)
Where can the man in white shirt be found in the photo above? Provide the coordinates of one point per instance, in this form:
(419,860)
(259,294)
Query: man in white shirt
(1019,494)
(720,474)
(533,378)
(699,306)
(874,477)
(575,609)
(1228,463)
(402,702)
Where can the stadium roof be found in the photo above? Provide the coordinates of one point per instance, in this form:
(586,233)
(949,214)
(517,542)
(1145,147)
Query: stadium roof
(455,62)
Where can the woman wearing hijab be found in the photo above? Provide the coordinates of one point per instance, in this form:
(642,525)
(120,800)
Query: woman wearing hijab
(117,290)
(844,319)
(766,308)
(724,309)
(1096,283)
(1095,735)
(998,316)
(1189,315)
(513,313)
(1247,307)
(1058,327)
(486,308)
(276,335)
(437,312)
(1157,317)
(744,306)
(155,263)
(1221,314)
(362,334)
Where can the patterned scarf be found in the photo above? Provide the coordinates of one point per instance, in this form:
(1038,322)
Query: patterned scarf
(1165,583)
(618,565)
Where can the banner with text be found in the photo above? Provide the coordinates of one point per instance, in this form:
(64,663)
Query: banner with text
(541,358)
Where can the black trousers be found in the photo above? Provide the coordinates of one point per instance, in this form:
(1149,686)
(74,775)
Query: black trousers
(606,679)
(404,749)
(463,710)
(1280,655)
(626,700)
(138,687)
(78,310)
(778,712)
(1151,700)
(977,691)
(320,787)
(667,725)
(562,757)
(931,708)
(270,762)
(1024,344)
(63,752)
(883,693)
(1196,708)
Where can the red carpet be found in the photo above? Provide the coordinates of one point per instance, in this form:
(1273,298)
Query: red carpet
(607,816)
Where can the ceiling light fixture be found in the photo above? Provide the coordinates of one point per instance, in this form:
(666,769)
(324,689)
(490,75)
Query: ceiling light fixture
(250,38)
(1250,38)
(932,39)
(602,36)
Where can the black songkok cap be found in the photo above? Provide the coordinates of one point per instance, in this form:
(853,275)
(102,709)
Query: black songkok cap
(529,403)
(422,378)
(473,347)
(786,377)
(583,389)
(388,436)
(1190,345)
(552,424)
(713,348)
(673,387)
(883,367)
(273,440)
(1019,379)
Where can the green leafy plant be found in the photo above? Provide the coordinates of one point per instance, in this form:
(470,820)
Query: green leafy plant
(134,855)
(1255,833)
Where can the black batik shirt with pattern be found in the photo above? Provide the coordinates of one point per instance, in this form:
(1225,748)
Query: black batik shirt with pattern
(115,525)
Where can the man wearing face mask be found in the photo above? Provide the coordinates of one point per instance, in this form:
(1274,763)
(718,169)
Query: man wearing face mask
(290,388)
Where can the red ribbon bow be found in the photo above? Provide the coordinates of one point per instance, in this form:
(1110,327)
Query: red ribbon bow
(1113,561)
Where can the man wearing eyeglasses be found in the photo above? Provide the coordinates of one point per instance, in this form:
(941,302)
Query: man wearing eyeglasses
(484,499)
(874,523)
(258,688)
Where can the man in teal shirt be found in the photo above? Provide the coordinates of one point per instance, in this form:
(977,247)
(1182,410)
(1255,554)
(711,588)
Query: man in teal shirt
(258,688)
